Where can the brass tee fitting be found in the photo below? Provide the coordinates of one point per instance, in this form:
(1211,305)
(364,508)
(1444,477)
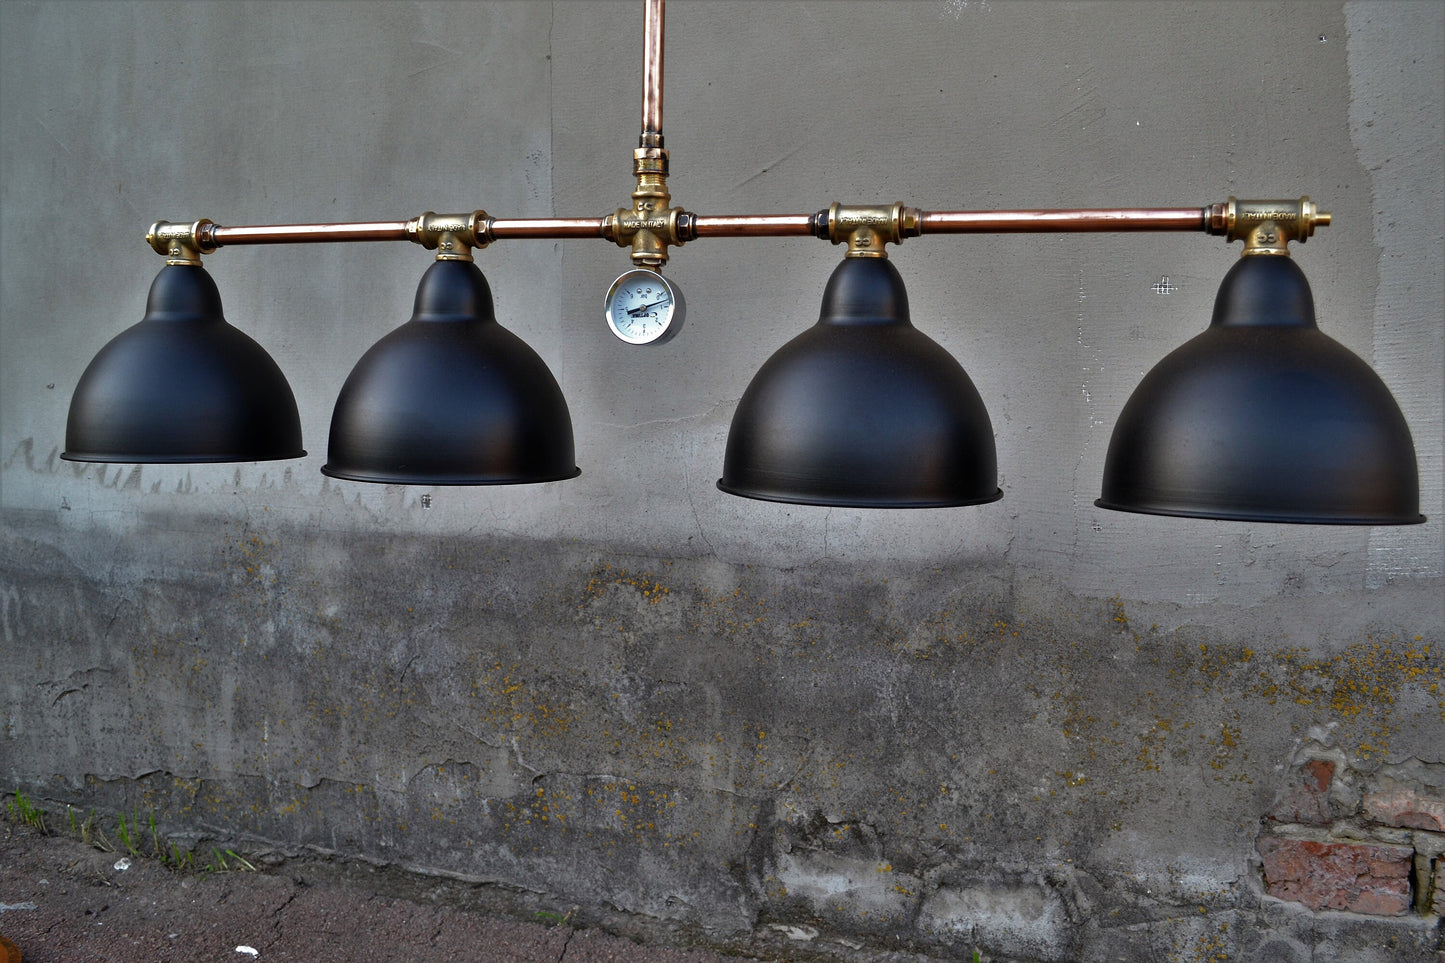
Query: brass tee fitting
(181,243)
(1266,227)
(452,236)
(867,228)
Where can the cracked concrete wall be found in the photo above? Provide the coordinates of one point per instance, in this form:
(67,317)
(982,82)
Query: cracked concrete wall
(1036,728)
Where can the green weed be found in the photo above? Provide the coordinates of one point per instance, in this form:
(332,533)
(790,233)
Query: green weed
(26,813)
(219,863)
(132,835)
(177,858)
(87,830)
(127,833)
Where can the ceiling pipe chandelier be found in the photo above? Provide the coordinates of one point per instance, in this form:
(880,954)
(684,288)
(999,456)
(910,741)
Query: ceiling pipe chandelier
(1262,417)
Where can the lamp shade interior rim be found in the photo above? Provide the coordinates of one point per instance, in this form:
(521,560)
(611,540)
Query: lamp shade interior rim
(1301,518)
(792,498)
(401,478)
(136,459)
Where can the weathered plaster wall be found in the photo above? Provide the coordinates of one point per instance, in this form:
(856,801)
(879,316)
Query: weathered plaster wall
(1035,727)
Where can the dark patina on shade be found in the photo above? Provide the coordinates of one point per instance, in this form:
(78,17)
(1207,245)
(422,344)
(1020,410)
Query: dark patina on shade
(451,398)
(862,410)
(182,386)
(1263,417)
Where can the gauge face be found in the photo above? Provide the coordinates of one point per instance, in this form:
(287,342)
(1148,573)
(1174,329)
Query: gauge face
(643,307)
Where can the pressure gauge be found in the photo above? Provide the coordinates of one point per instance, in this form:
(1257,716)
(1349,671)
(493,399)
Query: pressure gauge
(643,307)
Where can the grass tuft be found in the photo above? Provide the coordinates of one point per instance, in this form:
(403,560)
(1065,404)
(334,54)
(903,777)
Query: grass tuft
(133,835)
(26,813)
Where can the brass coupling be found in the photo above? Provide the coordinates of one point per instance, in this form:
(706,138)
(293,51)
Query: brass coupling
(1266,227)
(182,243)
(866,228)
(651,161)
(452,236)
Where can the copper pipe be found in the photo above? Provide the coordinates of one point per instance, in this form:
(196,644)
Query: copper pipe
(511,228)
(652,39)
(306,233)
(547,227)
(753,225)
(744,225)
(1059,221)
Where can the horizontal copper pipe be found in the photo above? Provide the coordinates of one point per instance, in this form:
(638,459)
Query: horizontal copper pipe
(1060,221)
(500,229)
(744,225)
(547,227)
(753,225)
(306,233)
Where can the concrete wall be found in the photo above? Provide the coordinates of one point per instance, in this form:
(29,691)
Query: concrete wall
(1037,728)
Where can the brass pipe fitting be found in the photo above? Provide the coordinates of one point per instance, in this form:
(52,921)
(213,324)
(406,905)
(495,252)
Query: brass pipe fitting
(1266,227)
(181,243)
(452,236)
(867,228)
(650,227)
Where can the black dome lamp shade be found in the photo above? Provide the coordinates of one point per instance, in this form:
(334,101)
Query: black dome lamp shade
(451,398)
(862,410)
(182,386)
(1263,417)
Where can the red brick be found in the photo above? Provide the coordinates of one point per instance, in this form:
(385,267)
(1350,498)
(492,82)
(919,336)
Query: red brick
(1407,808)
(1359,877)
(1305,798)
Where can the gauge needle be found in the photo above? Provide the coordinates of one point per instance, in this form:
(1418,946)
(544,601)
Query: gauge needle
(634,312)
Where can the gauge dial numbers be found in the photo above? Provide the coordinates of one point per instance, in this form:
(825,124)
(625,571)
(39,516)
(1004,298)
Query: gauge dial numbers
(643,307)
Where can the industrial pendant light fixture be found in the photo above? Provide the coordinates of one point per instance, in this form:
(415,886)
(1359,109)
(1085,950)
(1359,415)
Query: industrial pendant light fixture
(1260,418)
(183,385)
(451,397)
(1263,417)
(862,410)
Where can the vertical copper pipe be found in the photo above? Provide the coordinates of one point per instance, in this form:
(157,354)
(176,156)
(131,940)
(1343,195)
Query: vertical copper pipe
(652,75)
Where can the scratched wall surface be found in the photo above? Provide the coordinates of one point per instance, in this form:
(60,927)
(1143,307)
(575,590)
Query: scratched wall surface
(1034,728)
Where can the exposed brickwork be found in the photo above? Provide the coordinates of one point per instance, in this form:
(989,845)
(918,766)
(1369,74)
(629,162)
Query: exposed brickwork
(1408,808)
(1305,798)
(1359,877)
(1337,838)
